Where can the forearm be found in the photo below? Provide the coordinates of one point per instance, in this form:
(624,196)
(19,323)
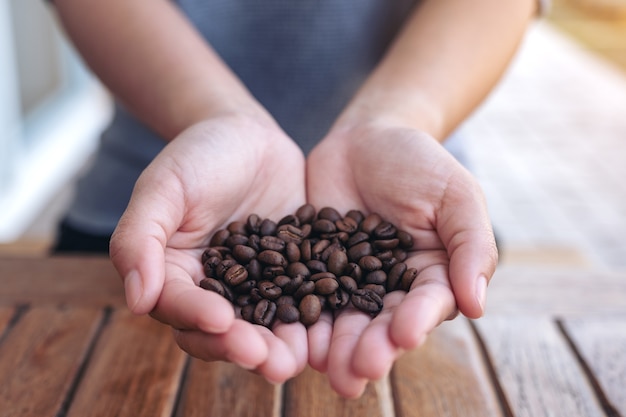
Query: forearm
(154,62)
(443,63)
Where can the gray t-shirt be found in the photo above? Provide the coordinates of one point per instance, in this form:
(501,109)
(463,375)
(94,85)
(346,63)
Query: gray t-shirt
(302,59)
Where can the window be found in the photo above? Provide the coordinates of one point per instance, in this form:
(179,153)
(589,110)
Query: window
(51,113)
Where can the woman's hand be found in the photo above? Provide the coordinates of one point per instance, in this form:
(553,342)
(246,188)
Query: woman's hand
(409,179)
(216,171)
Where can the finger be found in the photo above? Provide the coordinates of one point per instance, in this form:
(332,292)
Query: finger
(242,345)
(137,247)
(184,305)
(375,352)
(347,330)
(469,239)
(281,363)
(429,302)
(320,335)
(295,337)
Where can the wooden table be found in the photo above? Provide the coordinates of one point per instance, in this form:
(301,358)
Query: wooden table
(553,343)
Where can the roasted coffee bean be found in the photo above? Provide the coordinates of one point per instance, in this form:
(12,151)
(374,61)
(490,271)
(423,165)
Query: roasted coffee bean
(306,250)
(329,213)
(310,309)
(255,295)
(326,286)
(337,262)
(385,255)
(210,265)
(386,244)
(254,241)
(376,277)
(212,284)
(290,233)
(271,272)
(348,283)
(306,230)
(219,238)
(324,226)
(306,288)
(357,215)
(287,313)
(315,266)
(405,238)
(347,225)
(335,246)
(297,268)
(281,280)
(264,313)
(223,266)
(400,254)
(389,263)
(385,230)
(342,237)
(370,263)
(377,288)
(245,287)
(269,290)
(367,301)
(243,253)
(268,227)
(272,243)
(360,250)
(272,257)
(237,228)
(292,252)
(286,299)
(318,248)
(338,300)
(306,213)
(243,300)
(293,285)
(247,312)
(253,224)
(354,270)
(370,223)
(235,275)
(210,253)
(255,270)
(394,276)
(407,279)
(320,275)
(237,239)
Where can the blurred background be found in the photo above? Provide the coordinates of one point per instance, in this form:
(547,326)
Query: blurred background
(548,146)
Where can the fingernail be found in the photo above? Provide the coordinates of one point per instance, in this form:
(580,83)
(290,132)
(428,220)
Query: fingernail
(481,291)
(133,288)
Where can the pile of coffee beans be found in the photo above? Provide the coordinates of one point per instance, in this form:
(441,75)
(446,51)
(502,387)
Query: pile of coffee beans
(307,262)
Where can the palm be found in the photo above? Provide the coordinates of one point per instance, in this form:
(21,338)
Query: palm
(409,179)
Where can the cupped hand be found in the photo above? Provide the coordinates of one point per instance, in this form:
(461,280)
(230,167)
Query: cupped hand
(409,179)
(214,172)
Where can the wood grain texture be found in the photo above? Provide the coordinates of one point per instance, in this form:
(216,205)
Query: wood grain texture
(135,370)
(310,395)
(81,281)
(601,342)
(539,374)
(444,377)
(6,313)
(220,389)
(40,357)
(556,291)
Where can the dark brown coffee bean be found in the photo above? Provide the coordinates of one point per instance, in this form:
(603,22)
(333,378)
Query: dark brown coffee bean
(272,243)
(337,300)
(370,263)
(254,241)
(268,227)
(348,283)
(354,270)
(318,248)
(237,228)
(243,300)
(329,213)
(292,252)
(235,275)
(384,255)
(347,225)
(306,250)
(291,219)
(360,250)
(306,213)
(271,272)
(286,299)
(253,224)
(342,237)
(316,266)
(357,215)
(310,309)
(306,288)
(212,284)
(335,246)
(320,275)
(269,290)
(297,268)
(245,287)
(210,265)
(326,286)
(255,270)
(337,262)
(290,233)
(281,280)
(385,230)
(323,226)
(287,313)
(386,244)
(223,266)
(407,279)
(377,288)
(376,277)
(406,240)
(293,285)
(389,263)
(264,313)
(370,223)
(306,230)
(237,239)
(243,254)
(247,312)
(219,238)
(394,276)
(272,257)
(367,301)
(210,253)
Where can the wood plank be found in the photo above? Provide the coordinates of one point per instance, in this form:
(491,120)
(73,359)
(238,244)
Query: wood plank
(310,395)
(539,374)
(220,389)
(40,358)
(601,343)
(79,280)
(556,291)
(135,370)
(6,313)
(445,377)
